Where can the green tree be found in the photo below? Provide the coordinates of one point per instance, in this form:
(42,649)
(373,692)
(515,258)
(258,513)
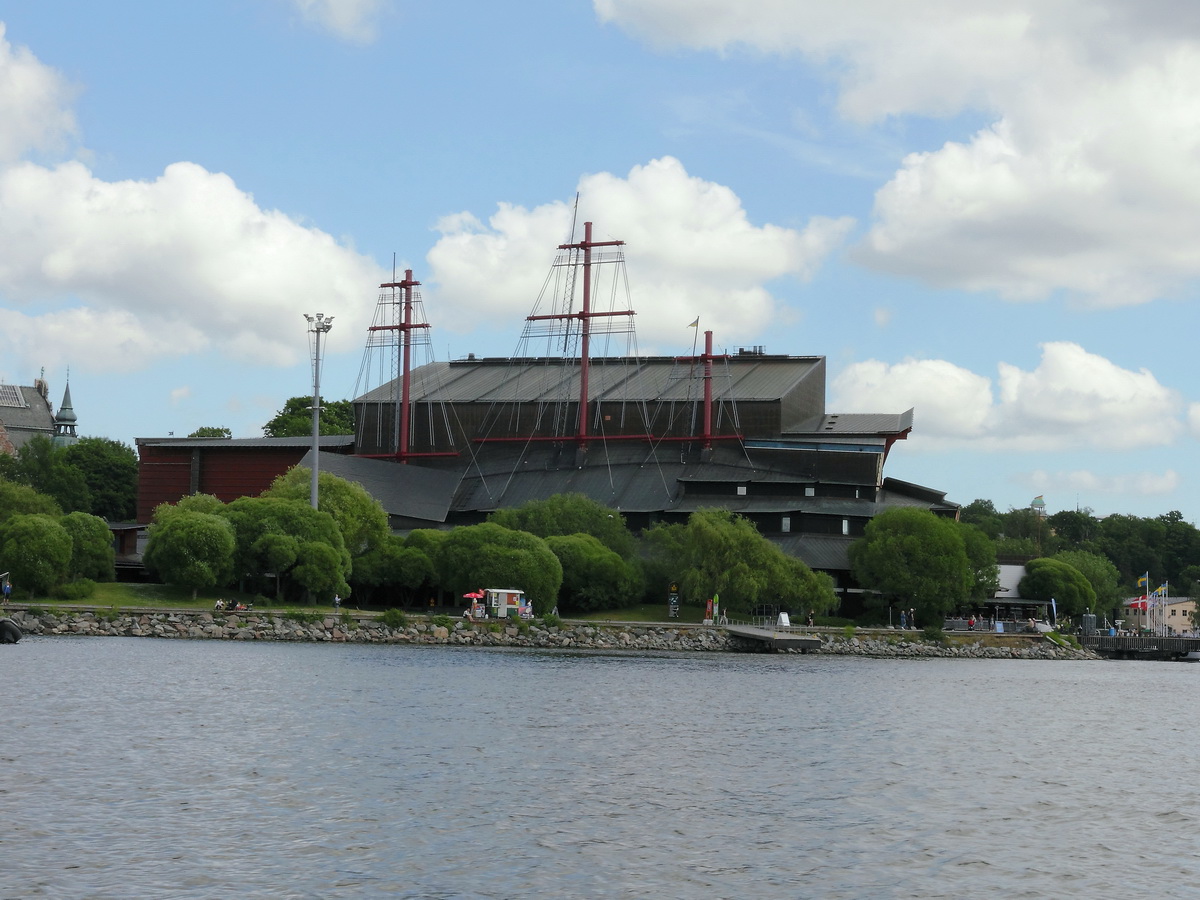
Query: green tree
(391,565)
(1047,579)
(594,577)
(722,553)
(984,516)
(21,498)
(36,551)
(915,558)
(91,547)
(275,537)
(565,514)
(214,431)
(488,555)
(192,550)
(1101,574)
(1075,528)
(110,470)
(295,419)
(981,554)
(45,468)
(360,516)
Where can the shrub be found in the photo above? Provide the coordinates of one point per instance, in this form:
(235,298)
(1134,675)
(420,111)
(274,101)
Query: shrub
(304,618)
(934,634)
(75,590)
(444,621)
(394,618)
(550,620)
(849,631)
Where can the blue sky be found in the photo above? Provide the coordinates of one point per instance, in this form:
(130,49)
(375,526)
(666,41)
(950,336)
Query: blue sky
(989,212)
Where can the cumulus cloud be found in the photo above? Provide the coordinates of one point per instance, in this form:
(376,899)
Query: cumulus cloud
(177,265)
(34,104)
(691,252)
(1087,179)
(1073,399)
(350,20)
(1087,482)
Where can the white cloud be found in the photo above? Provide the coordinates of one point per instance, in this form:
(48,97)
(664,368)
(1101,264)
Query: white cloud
(350,20)
(171,266)
(180,394)
(1073,399)
(1087,180)
(692,251)
(34,104)
(1087,482)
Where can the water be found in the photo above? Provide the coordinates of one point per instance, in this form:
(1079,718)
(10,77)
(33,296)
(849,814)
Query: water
(143,768)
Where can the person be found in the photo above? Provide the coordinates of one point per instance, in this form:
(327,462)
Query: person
(971,623)
(810,618)
(912,619)
(903,620)
(337,600)
(219,605)
(7,590)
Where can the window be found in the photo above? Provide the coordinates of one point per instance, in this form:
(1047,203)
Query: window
(845,524)
(786,525)
(741,491)
(810,490)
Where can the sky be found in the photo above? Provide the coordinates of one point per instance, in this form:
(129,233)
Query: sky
(988,212)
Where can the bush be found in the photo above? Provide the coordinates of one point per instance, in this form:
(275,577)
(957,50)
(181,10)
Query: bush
(304,618)
(550,620)
(934,633)
(444,621)
(75,590)
(394,618)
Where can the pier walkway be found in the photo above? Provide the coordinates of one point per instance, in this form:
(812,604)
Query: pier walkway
(776,637)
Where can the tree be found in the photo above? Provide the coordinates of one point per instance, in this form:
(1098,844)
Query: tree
(391,564)
(21,498)
(1101,574)
(721,553)
(360,516)
(984,516)
(487,555)
(91,547)
(1046,579)
(36,551)
(191,549)
(565,514)
(279,538)
(215,431)
(110,470)
(981,554)
(45,468)
(915,558)
(295,419)
(1074,527)
(594,577)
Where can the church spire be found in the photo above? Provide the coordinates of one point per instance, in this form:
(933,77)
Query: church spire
(64,422)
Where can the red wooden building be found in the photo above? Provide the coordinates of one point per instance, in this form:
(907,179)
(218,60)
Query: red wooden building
(172,468)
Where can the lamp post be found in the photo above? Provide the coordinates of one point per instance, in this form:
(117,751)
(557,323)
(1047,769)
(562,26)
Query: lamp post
(317,325)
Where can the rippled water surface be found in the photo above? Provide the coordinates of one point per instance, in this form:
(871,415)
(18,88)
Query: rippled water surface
(148,768)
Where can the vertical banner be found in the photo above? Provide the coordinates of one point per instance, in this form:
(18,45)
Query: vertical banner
(716,607)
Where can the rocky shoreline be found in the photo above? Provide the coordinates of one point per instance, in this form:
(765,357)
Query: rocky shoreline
(360,629)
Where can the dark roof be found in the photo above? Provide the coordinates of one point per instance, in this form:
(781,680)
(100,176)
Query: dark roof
(326,441)
(24,413)
(847,424)
(494,380)
(403,490)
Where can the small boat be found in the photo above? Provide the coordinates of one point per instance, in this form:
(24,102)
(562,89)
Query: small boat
(9,632)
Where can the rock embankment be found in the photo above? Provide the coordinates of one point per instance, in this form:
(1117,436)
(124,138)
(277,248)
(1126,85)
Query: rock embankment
(883,648)
(371,630)
(362,629)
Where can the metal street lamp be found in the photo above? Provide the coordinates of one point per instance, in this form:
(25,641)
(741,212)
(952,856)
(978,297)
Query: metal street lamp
(317,325)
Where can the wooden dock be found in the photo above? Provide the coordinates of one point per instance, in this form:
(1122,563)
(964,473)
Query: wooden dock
(776,638)
(1140,647)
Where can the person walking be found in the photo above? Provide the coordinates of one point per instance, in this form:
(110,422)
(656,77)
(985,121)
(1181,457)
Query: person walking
(912,619)
(903,620)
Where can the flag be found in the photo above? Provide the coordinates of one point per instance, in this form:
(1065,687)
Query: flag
(1145,579)
(695,324)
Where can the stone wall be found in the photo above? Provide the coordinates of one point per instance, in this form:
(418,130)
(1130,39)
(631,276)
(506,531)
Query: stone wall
(365,629)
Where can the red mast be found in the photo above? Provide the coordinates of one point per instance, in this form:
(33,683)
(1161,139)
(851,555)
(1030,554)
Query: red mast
(706,436)
(585,316)
(405,327)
